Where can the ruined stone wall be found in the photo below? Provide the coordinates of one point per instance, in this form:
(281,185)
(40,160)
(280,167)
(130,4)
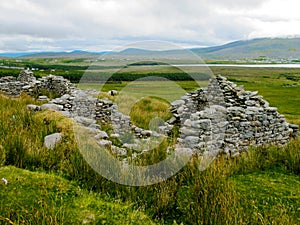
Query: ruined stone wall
(84,103)
(225,116)
(27,83)
(222,118)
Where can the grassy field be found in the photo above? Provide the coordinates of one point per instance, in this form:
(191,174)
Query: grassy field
(260,187)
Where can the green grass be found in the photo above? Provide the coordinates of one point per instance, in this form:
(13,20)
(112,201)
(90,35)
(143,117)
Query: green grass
(41,198)
(147,110)
(166,89)
(259,187)
(272,195)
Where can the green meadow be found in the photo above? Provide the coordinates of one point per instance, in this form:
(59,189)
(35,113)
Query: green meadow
(59,187)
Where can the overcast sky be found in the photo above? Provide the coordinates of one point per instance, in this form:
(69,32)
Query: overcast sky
(96,25)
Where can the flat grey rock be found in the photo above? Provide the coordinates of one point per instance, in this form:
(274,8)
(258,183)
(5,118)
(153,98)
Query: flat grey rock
(84,120)
(178,103)
(43,98)
(52,107)
(104,143)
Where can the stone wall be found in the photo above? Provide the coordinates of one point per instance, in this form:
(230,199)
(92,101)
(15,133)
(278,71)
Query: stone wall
(222,118)
(84,103)
(225,116)
(27,83)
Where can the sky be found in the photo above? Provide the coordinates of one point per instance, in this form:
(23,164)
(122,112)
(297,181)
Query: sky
(100,25)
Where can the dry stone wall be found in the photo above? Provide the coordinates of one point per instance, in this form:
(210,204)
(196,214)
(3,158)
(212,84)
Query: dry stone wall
(222,118)
(225,116)
(84,103)
(27,83)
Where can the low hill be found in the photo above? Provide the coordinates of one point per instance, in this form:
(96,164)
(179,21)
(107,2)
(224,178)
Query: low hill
(263,48)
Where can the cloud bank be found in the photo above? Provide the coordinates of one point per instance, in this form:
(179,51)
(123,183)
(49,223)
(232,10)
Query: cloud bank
(95,25)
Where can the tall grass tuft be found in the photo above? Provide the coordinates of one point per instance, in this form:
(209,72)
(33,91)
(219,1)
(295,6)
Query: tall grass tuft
(147,109)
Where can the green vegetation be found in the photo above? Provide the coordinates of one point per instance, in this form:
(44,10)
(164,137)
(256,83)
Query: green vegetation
(271,194)
(41,198)
(9,72)
(58,186)
(187,86)
(147,109)
(232,191)
(131,73)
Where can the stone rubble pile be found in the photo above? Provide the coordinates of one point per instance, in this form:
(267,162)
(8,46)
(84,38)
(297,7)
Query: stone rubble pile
(26,76)
(55,84)
(77,103)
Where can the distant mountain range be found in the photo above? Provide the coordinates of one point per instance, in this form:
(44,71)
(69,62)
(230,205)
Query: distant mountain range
(274,48)
(75,54)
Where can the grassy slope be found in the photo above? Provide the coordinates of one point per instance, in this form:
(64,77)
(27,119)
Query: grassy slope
(40,198)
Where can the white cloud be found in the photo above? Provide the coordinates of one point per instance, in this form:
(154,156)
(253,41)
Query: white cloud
(95,24)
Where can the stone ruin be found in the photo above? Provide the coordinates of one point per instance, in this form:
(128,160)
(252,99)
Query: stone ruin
(225,116)
(27,83)
(220,119)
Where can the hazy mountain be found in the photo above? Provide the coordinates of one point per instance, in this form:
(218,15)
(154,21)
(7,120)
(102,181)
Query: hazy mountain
(269,47)
(276,48)
(15,54)
(134,51)
(73,54)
